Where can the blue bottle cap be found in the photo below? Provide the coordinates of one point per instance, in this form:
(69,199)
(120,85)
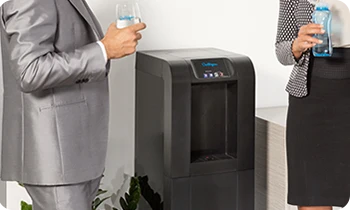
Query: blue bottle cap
(322,6)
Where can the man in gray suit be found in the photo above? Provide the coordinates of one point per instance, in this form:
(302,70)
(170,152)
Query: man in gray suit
(56,100)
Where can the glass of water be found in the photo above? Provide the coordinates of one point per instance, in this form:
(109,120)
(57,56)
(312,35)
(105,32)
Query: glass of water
(128,13)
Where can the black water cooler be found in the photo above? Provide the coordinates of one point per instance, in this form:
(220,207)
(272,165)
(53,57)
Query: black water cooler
(195,112)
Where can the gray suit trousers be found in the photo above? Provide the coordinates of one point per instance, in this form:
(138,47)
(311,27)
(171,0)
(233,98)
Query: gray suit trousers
(64,197)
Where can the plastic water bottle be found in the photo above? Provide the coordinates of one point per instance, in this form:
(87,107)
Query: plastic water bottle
(322,15)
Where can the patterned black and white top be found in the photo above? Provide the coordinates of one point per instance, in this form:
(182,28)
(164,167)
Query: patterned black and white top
(292,15)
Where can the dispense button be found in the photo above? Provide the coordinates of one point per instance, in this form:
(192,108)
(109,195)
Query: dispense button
(205,75)
(216,74)
(211,75)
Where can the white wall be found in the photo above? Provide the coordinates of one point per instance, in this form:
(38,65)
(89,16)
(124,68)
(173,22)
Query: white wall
(247,27)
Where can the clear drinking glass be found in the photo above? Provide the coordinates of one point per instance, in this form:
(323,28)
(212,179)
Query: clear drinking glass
(128,13)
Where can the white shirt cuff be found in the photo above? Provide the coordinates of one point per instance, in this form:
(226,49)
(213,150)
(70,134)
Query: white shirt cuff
(103,50)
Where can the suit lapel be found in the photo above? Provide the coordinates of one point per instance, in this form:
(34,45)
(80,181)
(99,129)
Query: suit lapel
(84,10)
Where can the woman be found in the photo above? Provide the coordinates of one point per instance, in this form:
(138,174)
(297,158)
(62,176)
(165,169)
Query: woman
(318,124)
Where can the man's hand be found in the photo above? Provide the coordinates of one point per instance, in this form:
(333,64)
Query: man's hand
(122,42)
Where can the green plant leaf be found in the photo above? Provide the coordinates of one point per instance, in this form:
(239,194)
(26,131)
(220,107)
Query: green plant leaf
(100,201)
(123,204)
(101,192)
(127,197)
(133,206)
(135,191)
(135,194)
(152,198)
(25,206)
(95,202)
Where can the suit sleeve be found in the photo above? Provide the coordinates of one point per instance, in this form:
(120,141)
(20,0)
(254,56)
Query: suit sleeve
(31,27)
(287,32)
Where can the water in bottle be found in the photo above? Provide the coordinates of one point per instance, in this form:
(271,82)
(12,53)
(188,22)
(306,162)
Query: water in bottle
(322,15)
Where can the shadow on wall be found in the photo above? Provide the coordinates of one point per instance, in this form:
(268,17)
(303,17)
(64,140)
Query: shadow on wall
(120,154)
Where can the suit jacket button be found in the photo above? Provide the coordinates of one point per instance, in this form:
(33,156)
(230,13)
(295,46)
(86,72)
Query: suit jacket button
(78,81)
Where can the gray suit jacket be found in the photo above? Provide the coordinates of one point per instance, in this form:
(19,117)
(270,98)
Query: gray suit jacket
(56,100)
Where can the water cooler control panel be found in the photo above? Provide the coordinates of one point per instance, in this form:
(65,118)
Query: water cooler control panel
(210,68)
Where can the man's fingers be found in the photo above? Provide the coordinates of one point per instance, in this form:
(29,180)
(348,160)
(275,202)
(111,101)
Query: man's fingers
(138,27)
(138,36)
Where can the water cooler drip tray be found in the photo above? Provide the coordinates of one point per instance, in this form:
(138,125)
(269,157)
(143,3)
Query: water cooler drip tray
(209,155)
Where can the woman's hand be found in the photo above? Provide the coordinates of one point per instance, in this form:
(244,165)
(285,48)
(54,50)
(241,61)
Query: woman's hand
(305,39)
